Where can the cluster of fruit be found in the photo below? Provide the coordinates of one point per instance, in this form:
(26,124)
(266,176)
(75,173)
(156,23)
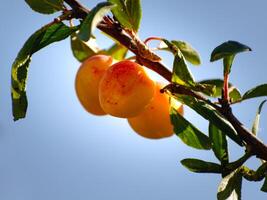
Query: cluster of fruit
(124,89)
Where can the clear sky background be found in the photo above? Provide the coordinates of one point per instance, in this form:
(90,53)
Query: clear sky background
(60,152)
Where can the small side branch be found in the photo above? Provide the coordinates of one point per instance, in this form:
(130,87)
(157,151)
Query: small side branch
(80,12)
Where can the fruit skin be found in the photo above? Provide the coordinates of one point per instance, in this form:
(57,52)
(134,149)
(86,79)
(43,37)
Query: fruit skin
(87,82)
(154,122)
(125,89)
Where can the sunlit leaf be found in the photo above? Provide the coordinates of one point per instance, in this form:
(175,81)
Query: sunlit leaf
(37,41)
(181,74)
(200,166)
(82,50)
(258,91)
(218,143)
(45,6)
(188,52)
(92,19)
(230,187)
(255,126)
(188,133)
(117,51)
(128,13)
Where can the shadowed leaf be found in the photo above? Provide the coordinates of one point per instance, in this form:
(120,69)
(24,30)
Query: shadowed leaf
(200,166)
(212,115)
(234,93)
(218,143)
(45,6)
(230,187)
(228,48)
(227,51)
(188,133)
(264,186)
(37,41)
(92,19)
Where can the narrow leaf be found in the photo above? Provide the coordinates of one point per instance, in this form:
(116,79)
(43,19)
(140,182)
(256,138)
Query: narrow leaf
(181,74)
(128,13)
(200,166)
(82,50)
(228,48)
(92,20)
(188,52)
(264,186)
(227,64)
(218,143)
(255,126)
(211,114)
(40,39)
(188,133)
(230,187)
(258,91)
(234,93)
(45,6)
(117,51)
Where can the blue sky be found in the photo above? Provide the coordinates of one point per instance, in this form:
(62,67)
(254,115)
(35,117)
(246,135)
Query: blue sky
(61,152)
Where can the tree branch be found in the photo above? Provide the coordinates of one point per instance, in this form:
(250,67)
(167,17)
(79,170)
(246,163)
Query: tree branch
(115,30)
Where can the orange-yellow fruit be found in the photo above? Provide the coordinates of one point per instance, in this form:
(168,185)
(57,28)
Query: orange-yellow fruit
(87,82)
(154,122)
(125,89)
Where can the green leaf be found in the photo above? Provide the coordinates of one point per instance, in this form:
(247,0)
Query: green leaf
(211,114)
(82,50)
(218,143)
(188,52)
(234,93)
(200,166)
(45,6)
(92,20)
(128,13)
(188,133)
(230,186)
(227,64)
(228,48)
(255,126)
(181,74)
(117,51)
(41,38)
(259,91)
(227,51)
(264,186)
